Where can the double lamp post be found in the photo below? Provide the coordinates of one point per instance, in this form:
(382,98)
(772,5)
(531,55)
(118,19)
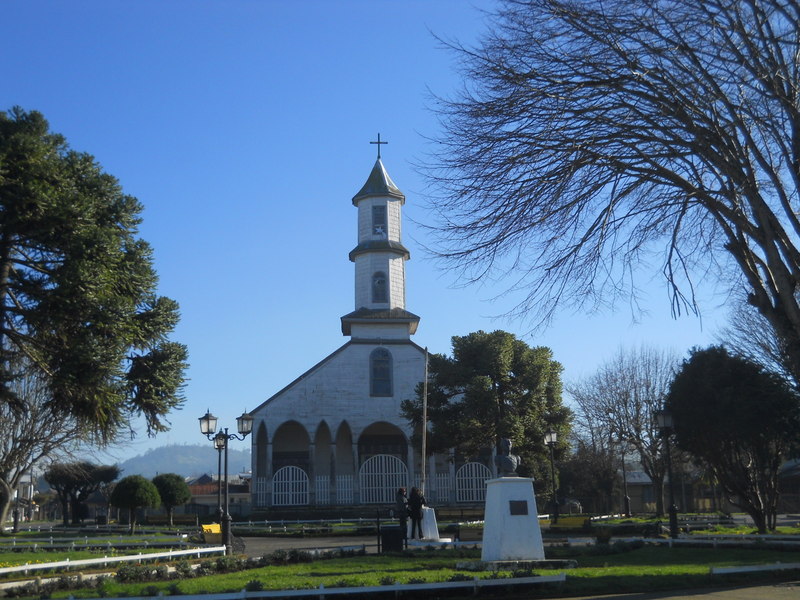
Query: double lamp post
(208,427)
(550,439)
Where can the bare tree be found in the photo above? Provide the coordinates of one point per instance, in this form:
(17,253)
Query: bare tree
(751,336)
(30,433)
(618,403)
(597,139)
(589,473)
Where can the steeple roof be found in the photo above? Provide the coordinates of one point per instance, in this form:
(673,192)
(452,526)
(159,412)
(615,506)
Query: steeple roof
(379,184)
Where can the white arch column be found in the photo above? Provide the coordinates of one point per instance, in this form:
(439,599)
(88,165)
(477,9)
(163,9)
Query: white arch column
(312,471)
(332,471)
(268,474)
(356,484)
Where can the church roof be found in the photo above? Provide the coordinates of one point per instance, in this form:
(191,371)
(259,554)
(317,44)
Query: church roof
(379,184)
(340,350)
(381,315)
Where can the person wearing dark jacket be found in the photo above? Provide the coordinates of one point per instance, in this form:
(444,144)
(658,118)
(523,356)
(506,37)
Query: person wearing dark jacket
(401,510)
(415,503)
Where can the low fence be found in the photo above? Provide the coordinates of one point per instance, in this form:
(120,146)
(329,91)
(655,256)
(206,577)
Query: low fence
(85,544)
(110,560)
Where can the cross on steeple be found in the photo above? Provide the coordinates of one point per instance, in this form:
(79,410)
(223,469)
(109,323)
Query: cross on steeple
(379,142)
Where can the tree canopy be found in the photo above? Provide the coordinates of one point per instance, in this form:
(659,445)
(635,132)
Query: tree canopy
(74,482)
(173,490)
(77,287)
(494,386)
(134,492)
(739,420)
(596,140)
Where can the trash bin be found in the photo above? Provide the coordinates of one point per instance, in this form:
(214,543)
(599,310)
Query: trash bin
(392,538)
(212,533)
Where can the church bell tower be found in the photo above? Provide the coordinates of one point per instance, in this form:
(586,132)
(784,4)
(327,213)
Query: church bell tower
(380,282)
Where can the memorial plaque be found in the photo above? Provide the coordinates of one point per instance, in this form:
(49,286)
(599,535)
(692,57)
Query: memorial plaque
(518,507)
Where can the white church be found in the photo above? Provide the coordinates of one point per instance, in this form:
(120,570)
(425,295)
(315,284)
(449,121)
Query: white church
(335,435)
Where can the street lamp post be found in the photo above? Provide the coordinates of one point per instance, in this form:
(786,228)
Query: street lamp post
(664,424)
(208,427)
(550,439)
(626,498)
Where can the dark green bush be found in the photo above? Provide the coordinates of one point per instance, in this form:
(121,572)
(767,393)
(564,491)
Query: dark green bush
(174,589)
(228,564)
(128,573)
(300,556)
(279,557)
(206,567)
(254,585)
(183,569)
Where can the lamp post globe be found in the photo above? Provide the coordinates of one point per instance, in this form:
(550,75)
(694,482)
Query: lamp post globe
(550,439)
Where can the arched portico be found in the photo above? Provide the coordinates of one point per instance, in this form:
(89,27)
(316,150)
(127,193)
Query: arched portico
(290,447)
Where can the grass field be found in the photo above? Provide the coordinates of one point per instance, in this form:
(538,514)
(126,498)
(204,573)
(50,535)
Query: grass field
(601,569)
(614,569)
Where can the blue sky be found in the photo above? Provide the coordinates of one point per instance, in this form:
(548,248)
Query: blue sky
(244,127)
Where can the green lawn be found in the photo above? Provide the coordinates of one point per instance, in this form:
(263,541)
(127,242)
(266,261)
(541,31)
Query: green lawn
(599,571)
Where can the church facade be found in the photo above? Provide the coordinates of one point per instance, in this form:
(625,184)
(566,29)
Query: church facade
(335,435)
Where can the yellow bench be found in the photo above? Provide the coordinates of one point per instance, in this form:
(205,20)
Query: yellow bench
(212,533)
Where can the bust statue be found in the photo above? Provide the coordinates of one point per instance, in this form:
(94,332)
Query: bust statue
(506,462)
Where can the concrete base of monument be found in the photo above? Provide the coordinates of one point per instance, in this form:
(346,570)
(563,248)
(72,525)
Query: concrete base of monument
(511,530)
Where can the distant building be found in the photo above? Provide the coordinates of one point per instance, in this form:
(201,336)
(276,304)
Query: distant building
(207,496)
(334,435)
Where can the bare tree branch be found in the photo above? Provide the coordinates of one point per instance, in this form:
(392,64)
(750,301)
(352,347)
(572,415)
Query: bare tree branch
(594,138)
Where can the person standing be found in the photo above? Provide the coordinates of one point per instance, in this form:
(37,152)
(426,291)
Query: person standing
(415,503)
(401,510)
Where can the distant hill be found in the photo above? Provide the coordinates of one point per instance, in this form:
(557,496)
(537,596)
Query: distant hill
(189,460)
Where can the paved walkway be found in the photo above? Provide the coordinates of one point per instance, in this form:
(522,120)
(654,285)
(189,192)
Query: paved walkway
(782,591)
(259,546)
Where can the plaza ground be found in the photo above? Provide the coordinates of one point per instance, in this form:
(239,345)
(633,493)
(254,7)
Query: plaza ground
(259,546)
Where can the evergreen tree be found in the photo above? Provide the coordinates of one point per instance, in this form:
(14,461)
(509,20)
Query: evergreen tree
(494,386)
(740,421)
(78,288)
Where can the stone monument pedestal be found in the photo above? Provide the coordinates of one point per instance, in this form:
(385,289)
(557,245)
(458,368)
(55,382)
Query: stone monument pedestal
(511,523)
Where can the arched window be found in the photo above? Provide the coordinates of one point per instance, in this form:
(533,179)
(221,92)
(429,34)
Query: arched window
(379,287)
(380,372)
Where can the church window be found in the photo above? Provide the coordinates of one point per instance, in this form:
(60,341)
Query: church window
(379,291)
(380,376)
(379,220)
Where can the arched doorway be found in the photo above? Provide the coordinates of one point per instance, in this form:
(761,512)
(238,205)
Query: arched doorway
(471,482)
(290,447)
(379,477)
(290,487)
